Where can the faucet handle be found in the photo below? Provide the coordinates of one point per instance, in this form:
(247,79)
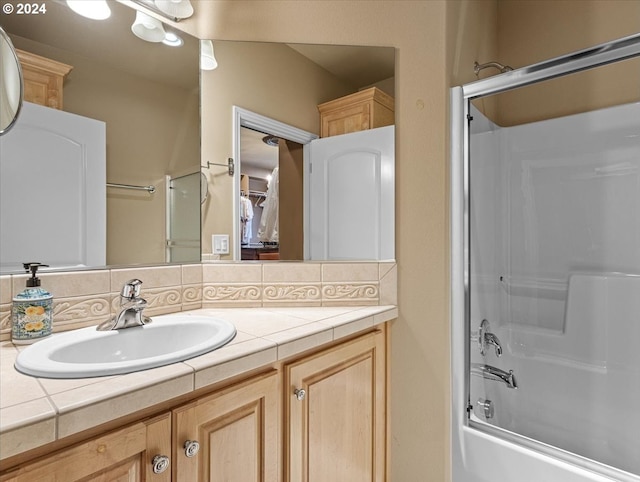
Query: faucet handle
(131,289)
(486,338)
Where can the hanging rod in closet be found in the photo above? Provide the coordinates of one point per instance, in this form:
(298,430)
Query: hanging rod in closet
(229,165)
(255,193)
(149,189)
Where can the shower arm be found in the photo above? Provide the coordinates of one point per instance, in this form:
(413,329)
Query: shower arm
(502,68)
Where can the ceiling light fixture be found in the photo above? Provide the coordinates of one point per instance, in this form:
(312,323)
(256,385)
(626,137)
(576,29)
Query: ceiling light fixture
(95,9)
(148,28)
(270,140)
(175,8)
(207,59)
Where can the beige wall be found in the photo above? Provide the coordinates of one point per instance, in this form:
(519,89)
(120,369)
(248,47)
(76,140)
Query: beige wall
(158,135)
(531,31)
(270,79)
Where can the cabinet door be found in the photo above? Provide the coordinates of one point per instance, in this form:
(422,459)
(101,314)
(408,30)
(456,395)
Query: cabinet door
(238,430)
(122,456)
(336,429)
(349,119)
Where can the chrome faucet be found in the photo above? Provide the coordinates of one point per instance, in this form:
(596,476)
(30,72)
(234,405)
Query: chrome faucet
(486,338)
(131,306)
(493,373)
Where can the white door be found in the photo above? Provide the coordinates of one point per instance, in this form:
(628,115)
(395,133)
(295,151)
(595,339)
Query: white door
(351,196)
(52,194)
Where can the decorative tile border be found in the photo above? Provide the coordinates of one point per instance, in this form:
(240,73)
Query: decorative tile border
(291,294)
(231,295)
(5,322)
(350,292)
(170,289)
(71,313)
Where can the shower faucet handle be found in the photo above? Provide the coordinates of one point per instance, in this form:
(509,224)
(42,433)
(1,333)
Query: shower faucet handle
(486,338)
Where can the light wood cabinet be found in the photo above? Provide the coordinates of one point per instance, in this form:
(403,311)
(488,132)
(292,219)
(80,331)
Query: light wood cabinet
(122,455)
(43,79)
(366,109)
(336,428)
(258,429)
(238,430)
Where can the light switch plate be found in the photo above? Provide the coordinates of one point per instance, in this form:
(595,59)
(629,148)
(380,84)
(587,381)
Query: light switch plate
(220,243)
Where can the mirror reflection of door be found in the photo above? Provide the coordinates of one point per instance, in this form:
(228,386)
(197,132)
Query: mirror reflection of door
(271,197)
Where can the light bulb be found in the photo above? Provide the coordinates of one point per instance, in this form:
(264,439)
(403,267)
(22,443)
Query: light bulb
(93,9)
(172,39)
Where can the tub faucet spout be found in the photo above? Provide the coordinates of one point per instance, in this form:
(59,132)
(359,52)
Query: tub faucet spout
(492,373)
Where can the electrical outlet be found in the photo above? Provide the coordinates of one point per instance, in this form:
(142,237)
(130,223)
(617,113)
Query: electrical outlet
(220,243)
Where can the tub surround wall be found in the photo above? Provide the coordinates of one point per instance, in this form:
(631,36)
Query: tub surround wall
(86,298)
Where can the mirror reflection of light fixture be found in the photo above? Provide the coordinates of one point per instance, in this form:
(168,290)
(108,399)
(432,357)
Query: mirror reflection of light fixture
(175,8)
(148,28)
(270,140)
(207,59)
(172,39)
(95,10)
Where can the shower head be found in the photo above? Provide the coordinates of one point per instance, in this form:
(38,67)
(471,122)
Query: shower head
(502,68)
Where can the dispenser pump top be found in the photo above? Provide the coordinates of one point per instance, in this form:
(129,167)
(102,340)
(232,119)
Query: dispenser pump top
(33,267)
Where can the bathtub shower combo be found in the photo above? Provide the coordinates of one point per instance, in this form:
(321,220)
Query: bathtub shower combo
(546,284)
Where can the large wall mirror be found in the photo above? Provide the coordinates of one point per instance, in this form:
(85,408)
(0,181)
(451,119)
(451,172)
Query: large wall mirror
(165,120)
(279,87)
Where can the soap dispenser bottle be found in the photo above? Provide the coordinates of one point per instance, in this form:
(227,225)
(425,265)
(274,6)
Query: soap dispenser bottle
(32,310)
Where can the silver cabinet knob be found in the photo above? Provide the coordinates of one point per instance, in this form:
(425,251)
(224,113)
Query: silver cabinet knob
(160,463)
(191,448)
(300,394)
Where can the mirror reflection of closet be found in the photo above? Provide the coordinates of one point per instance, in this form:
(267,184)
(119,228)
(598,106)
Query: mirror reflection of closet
(271,207)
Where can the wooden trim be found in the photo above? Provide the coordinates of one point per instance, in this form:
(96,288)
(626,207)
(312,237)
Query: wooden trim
(372,93)
(27,59)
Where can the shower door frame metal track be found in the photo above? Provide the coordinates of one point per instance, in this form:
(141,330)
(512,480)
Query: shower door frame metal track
(600,55)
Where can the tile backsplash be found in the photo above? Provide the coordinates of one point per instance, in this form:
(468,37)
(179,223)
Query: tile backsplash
(85,298)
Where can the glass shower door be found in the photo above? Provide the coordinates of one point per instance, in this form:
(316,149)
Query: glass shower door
(554,282)
(183,219)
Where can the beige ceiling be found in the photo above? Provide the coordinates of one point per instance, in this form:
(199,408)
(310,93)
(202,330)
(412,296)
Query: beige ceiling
(359,66)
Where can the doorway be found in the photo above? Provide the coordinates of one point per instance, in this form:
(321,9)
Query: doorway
(286,162)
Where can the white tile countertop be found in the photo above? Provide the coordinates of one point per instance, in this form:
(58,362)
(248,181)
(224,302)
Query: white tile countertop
(37,411)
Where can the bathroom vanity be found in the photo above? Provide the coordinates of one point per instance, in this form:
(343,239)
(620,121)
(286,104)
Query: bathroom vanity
(301,399)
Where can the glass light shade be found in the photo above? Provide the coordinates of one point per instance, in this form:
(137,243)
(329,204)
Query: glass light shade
(93,9)
(148,28)
(175,8)
(207,59)
(173,40)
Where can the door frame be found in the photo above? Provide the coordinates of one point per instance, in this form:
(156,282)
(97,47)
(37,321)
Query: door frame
(252,120)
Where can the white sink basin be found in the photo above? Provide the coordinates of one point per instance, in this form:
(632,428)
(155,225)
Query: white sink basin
(87,352)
